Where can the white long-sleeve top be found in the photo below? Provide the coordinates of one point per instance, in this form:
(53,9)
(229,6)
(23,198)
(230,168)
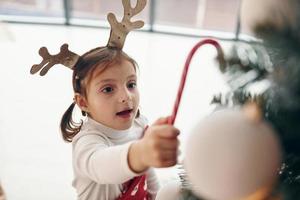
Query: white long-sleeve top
(100,160)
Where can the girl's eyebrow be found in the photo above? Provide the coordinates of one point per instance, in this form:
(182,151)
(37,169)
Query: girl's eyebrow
(131,76)
(109,80)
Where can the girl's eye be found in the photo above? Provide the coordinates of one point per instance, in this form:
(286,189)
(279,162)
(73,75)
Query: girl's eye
(107,90)
(131,85)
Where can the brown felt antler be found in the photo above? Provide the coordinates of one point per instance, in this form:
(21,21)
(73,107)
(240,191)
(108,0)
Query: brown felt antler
(119,30)
(118,33)
(64,57)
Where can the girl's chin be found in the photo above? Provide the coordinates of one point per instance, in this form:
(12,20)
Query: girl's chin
(124,123)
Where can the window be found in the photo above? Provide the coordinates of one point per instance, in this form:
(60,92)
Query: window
(37,8)
(160,15)
(98,9)
(198,14)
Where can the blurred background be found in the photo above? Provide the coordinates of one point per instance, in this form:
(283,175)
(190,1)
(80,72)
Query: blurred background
(35,163)
(170,16)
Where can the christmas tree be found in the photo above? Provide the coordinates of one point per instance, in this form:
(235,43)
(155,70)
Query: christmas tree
(268,74)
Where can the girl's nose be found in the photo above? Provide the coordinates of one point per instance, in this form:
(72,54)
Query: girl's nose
(124,96)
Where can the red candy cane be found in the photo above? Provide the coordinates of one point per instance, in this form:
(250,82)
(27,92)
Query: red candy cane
(185,71)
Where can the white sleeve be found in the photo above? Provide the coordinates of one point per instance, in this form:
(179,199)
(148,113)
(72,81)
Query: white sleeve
(152,183)
(104,164)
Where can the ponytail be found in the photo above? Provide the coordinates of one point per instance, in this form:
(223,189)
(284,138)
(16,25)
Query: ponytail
(69,128)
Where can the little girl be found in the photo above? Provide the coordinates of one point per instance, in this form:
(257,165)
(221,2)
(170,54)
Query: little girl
(113,148)
(112,154)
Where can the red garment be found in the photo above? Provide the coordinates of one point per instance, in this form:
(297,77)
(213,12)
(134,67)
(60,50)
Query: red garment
(135,189)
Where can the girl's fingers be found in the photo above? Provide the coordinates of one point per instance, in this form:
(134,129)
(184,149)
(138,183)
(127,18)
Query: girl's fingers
(162,131)
(168,144)
(167,131)
(169,163)
(167,159)
(169,155)
(160,141)
(161,121)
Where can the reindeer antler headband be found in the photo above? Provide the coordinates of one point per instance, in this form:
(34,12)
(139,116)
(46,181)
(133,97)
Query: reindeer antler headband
(118,33)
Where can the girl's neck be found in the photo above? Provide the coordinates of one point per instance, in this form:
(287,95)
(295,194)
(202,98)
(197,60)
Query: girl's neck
(110,132)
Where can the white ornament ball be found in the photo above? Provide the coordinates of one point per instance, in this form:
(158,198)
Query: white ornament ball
(229,156)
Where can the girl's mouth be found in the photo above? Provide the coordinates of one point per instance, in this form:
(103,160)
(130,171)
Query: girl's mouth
(125,113)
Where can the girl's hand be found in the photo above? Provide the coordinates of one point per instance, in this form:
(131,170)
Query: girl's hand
(158,147)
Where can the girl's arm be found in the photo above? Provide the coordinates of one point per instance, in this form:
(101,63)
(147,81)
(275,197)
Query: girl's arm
(104,164)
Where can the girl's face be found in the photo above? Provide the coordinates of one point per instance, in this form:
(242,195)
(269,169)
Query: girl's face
(112,95)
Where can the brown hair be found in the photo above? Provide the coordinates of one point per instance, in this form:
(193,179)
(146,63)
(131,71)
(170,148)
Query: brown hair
(87,63)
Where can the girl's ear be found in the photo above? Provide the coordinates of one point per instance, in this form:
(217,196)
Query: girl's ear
(81,102)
